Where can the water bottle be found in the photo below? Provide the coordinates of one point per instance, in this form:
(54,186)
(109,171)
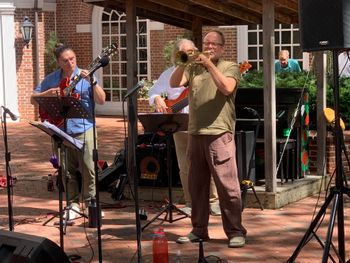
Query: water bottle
(93,213)
(50,186)
(160,247)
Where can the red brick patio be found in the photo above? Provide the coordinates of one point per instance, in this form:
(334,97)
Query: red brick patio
(272,234)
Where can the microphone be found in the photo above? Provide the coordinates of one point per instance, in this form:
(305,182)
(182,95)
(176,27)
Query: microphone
(104,61)
(101,63)
(138,85)
(251,111)
(12,116)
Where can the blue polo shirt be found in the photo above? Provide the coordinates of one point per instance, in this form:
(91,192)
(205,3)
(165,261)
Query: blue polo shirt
(293,66)
(74,126)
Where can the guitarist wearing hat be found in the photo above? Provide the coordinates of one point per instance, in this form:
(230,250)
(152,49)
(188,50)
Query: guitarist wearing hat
(55,84)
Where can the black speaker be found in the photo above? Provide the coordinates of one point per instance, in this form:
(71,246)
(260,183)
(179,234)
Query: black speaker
(23,248)
(151,157)
(324,24)
(112,173)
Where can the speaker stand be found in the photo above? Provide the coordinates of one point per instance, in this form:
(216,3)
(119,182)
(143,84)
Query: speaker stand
(336,192)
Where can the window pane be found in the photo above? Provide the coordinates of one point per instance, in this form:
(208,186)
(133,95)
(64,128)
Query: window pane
(143,68)
(105,41)
(143,41)
(108,95)
(252,38)
(123,55)
(252,53)
(105,29)
(122,28)
(142,27)
(114,28)
(107,70)
(143,55)
(123,68)
(277,37)
(122,41)
(296,37)
(286,37)
(123,83)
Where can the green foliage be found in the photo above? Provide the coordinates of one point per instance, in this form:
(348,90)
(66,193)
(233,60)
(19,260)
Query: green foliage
(50,59)
(143,93)
(254,79)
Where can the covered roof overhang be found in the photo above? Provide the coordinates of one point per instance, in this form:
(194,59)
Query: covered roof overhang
(182,13)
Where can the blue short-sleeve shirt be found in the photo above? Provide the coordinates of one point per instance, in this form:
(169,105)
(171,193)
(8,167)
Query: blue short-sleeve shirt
(83,88)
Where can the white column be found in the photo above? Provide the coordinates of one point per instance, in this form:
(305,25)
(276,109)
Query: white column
(8,78)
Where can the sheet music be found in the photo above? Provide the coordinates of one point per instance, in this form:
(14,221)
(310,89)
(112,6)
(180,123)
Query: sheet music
(54,130)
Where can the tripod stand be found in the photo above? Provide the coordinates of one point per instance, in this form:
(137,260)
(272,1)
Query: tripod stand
(336,192)
(168,124)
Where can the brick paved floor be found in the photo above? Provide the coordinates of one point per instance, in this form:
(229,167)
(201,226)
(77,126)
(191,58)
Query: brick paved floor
(272,237)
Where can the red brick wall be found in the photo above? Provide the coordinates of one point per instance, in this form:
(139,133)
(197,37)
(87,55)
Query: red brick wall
(70,14)
(26,60)
(330,154)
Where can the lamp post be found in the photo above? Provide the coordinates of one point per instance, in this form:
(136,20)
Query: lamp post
(26,30)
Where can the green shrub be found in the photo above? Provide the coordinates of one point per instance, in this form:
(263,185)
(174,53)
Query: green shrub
(254,79)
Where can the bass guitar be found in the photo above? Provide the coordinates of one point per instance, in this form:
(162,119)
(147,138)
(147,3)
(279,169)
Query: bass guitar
(67,85)
(176,105)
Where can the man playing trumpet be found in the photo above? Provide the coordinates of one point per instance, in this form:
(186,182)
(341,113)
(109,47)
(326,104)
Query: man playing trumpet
(186,48)
(211,148)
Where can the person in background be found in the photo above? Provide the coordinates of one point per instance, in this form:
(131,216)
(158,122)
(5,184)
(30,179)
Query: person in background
(344,64)
(286,64)
(81,129)
(212,83)
(156,99)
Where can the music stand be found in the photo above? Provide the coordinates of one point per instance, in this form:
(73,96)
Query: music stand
(168,123)
(60,137)
(61,107)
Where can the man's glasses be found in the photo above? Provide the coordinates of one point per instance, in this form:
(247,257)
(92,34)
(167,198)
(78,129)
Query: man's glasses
(213,44)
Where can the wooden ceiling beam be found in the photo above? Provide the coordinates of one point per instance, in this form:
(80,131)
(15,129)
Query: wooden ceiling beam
(290,5)
(151,12)
(209,18)
(228,10)
(212,12)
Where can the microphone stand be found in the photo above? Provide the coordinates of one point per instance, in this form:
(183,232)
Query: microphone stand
(95,159)
(8,177)
(132,165)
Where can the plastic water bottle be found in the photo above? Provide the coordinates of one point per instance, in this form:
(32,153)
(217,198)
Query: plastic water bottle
(160,247)
(93,213)
(50,186)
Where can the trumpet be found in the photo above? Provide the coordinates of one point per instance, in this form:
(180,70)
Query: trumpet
(185,59)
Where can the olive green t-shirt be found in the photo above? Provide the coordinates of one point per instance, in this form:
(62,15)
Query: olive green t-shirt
(210,111)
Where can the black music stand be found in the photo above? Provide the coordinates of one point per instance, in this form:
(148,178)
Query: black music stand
(61,107)
(60,137)
(168,123)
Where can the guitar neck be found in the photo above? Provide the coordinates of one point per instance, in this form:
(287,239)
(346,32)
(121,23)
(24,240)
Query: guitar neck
(178,106)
